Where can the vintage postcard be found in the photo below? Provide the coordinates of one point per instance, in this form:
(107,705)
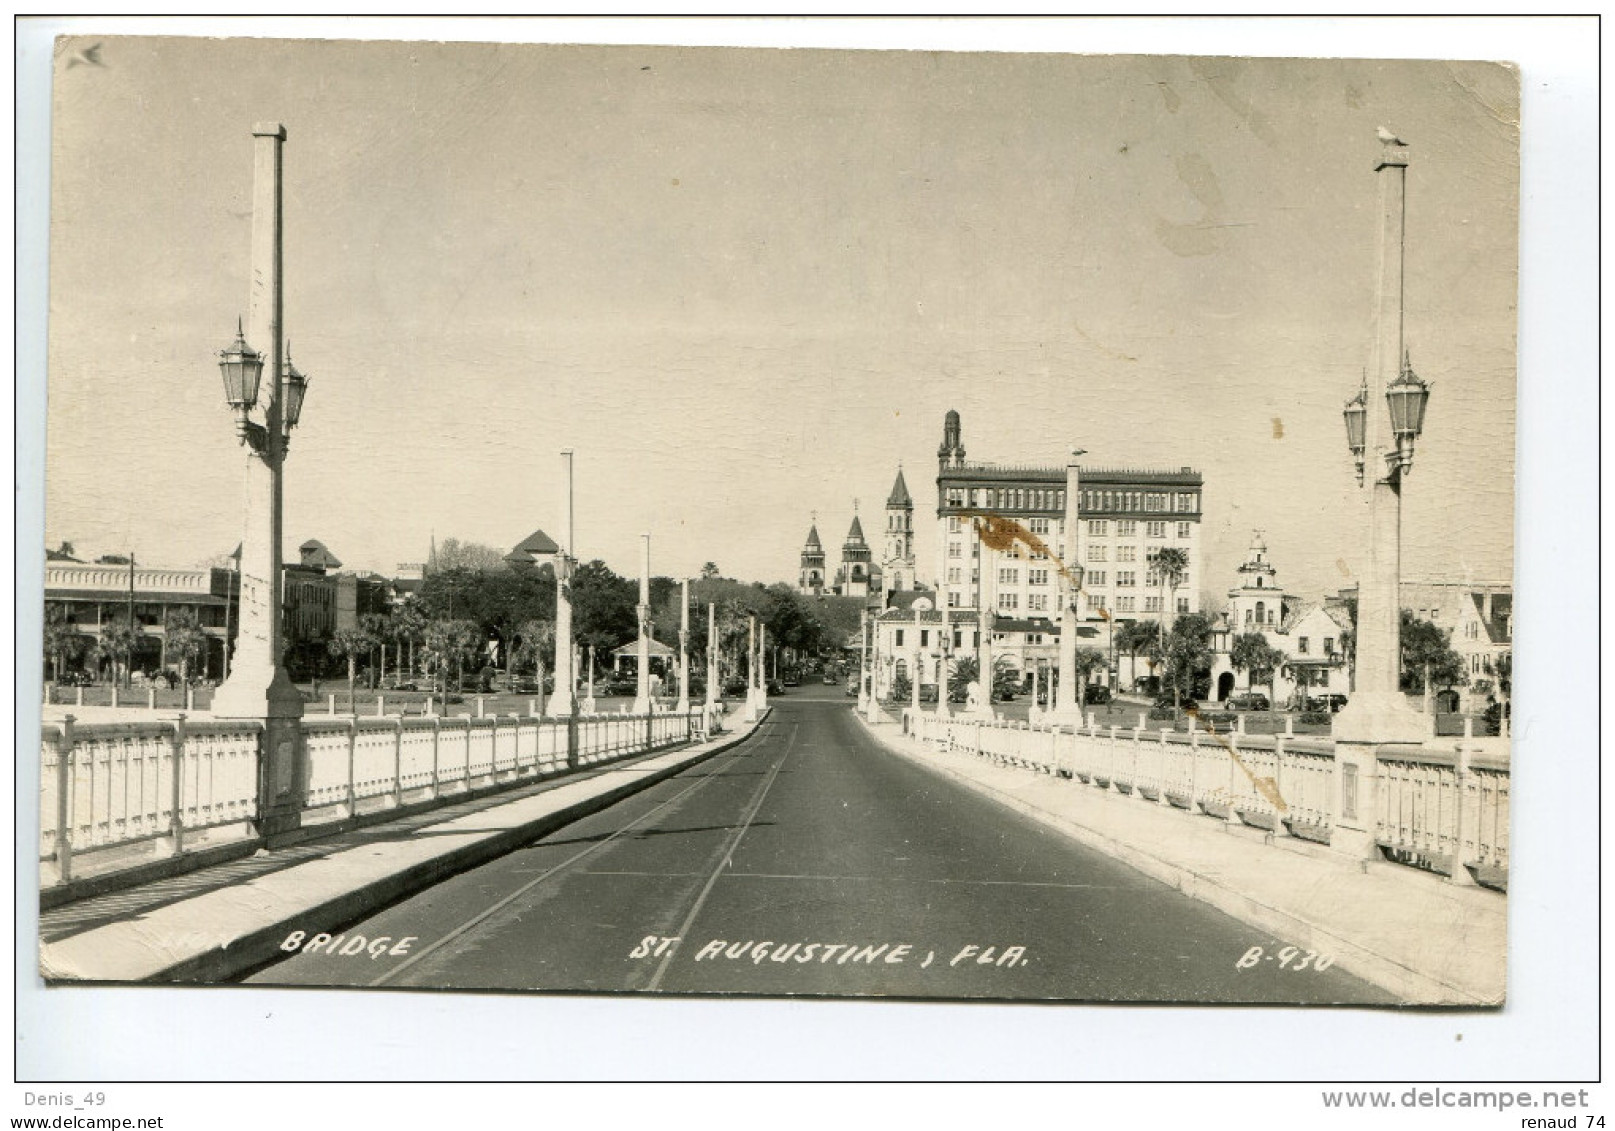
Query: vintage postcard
(713,521)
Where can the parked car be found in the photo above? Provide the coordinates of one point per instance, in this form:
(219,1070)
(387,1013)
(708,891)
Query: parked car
(1330,703)
(734,686)
(1097,693)
(76,679)
(776,687)
(830,680)
(1249,701)
(927,693)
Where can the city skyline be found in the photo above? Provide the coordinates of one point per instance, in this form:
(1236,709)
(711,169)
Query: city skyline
(746,285)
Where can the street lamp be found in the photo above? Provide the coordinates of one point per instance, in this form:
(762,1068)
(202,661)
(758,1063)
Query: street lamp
(294,388)
(1406,397)
(241,367)
(1356,414)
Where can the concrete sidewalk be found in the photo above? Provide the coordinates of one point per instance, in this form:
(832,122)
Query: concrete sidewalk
(1429,941)
(219,922)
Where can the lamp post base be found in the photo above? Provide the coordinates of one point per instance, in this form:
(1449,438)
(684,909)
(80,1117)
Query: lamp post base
(1372,718)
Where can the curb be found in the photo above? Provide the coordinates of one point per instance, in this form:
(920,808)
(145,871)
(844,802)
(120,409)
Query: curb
(1385,972)
(261,947)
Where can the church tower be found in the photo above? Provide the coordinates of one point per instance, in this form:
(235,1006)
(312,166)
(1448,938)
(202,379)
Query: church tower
(811,577)
(856,559)
(897,560)
(1256,604)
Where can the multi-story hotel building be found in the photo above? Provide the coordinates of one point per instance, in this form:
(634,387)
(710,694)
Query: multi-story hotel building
(1125,517)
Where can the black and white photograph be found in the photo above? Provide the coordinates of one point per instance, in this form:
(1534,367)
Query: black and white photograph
(644,522)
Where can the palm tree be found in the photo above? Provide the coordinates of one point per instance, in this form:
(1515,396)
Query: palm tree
(1170,565)
(62,641)
(380,629)
(184,640)
(537,639)
(408,624)
(117,644)
(447,641)
(352,643)
(962,673)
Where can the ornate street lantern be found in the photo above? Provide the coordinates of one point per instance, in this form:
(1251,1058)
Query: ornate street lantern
(241,368)
(1356,414)
(1407,398)
(296,386)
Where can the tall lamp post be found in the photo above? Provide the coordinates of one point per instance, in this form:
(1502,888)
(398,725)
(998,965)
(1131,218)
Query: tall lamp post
(258,686)
(1382,444)
(1063,693)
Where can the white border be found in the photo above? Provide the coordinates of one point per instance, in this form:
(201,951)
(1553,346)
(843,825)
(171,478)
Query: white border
(1547,1032)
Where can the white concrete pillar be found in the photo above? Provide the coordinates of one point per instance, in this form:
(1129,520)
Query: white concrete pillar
(563,702)
(1067,707)
(684,646)
(712,656)
(642,703)
(258,686)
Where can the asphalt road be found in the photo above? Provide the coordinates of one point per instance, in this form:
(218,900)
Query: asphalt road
(811,861)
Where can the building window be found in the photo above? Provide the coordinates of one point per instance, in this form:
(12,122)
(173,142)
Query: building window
(953,575)
(1301,645)
(925,637)
(1096,553)
(1125,578)
(1039,526)
(1127,527)
(953,549)
(1096,602)
(1034,638)
(898,643)
(1038,602)
(1098,527)
(1124,604)
(1126,553)
(1328,645)
(1037,577)
(1009,601)
(1183,604)
(1095,578)
(1152,604)
(953,524)
(953,600)
(1155,529)
(1009,577)
(1183,530)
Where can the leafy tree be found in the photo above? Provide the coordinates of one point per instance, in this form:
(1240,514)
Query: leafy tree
(603,607)
(454,554)
(1186,654)
(709,571)
(1427,654)
(1252,654)
(1137,636)
(352,643)
(1088,661)
(184,640)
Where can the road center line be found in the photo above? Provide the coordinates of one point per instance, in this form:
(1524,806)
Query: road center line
(725,859)
(483,915)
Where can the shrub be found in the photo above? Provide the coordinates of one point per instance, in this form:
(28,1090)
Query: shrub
(1314,718)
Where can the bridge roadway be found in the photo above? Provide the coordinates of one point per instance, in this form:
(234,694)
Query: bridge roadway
(811,861)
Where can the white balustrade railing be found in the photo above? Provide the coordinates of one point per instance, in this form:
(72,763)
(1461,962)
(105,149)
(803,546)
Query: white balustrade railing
(130,783)
(105,785)
(1435,809)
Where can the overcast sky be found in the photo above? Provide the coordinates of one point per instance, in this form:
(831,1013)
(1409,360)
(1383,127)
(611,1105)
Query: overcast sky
(745,284)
